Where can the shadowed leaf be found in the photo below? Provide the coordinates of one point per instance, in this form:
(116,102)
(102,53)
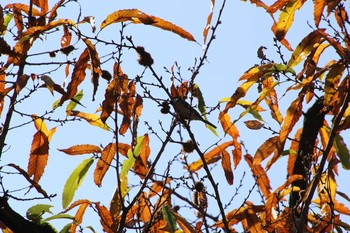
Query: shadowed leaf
(104,162)
(39,154)
(226,165)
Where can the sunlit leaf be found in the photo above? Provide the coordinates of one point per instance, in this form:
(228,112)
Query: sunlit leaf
(184,225)
(74,181)
(39,154)
(104,162)
(207,26)
(309,43)
(23,7)
(342,151)
(74,102)
(95,65)
(106,219)
(91,118)
(332,82)
(210,157)
(319,6)
(137,16)
(78,76)
(286,17)
(40,124)
(110,100)
(79,216)
(226,165)
(127,165)
(169,218)
(271,99)
(81,149)
(277,5)
(265,150)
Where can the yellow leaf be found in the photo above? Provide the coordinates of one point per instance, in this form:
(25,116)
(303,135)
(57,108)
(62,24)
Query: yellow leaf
(137,16)
(104,162)
(309,43)
(39,124)
(93,119)
(81,149)
(286,17)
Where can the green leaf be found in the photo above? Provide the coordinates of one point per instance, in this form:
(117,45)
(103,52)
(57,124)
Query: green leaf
(74,181)
(127,165)
(66,228)
(169,218)
(35,212)
(72,104)
(342,151)
(138,146)
(56,104)
(91,228)
(60,216)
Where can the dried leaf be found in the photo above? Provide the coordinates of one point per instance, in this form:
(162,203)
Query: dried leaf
(265,150)
(253,124)
(278,5)
(39,154)
(21,82)
(286,18)
(271,99)
(95,63)
(104,162)
(226,165)
(319,6)
(81,149)
(66,38)
(110,100)
(78,76)
(106,219)
(137,16)
(209,18)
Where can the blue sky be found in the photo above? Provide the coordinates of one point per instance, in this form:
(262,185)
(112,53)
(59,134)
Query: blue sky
(243,30)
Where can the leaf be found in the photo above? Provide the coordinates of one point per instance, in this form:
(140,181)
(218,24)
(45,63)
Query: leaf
(40,124)
(226,165)
(35,212)
(75,100)
(342,151)
(137,16)
(60,216)
(106,219)
(104,162)
(332,82)
(48,82)
(271,99)
(92,119)
(95,63)
(111,95)
(286,18)
(308,43)
(115,205)
(319,6)
(81,149)
(127,165)
(209,18)
(185,226)
(79,216)
(66,37)
(23,7)
(253,124)
(265,150)
(210,157)
(78,76)
(39,153)
(21,82)
(74,181)
(169,218)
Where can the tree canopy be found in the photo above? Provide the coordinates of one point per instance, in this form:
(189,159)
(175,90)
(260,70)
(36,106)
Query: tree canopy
(102,131)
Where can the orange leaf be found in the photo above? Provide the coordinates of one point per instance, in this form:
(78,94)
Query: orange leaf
(95,62)
(137,16)
(265,150)
(286,17)
(271,99)
(106,219)
(228,126)
(104,162)
(145,149)
(210,157)
(260,174)
(78,76)
(278,5)
(81,149)
(79,216)
(110,100)
(43,4)
(39,153)
(123,148)
(226,165)
(207,26)
(66,38)
(318,9)
(24,8)
(332,82)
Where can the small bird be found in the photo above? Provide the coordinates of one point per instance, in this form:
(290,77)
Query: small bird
(187,112)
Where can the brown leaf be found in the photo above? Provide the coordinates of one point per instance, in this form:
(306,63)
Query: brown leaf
(23,7)
(332,81)
(110,100)
(265,150)
(32,182)
(81,149)
(207,26)
(271,99)
(95,62)
(78,76)
(253,124)
(145,149)
(66,38)
(226,165)
(278,5)
(21,82)
(137,16)
(39,153)
(104,162)
(123,149)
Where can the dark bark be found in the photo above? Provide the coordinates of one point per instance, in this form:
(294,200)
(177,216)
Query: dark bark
(17,223)
(313,121)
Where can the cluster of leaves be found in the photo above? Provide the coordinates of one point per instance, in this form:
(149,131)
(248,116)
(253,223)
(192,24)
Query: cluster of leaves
(148,205)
